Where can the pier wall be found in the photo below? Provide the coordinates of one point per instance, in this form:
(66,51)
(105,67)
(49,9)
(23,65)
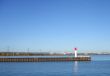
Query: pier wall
(45,59)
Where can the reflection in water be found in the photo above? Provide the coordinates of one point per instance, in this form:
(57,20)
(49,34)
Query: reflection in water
(75,68)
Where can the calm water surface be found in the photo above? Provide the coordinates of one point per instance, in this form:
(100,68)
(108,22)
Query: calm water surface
(99,66)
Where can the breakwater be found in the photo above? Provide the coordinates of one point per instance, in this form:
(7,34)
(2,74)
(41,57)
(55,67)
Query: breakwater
(43,59)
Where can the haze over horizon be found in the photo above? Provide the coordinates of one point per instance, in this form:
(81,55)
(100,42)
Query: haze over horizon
(55,25)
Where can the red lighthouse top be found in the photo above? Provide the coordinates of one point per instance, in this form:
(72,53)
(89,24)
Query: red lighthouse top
(75,49)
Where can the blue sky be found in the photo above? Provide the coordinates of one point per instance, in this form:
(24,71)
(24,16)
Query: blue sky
(56,25)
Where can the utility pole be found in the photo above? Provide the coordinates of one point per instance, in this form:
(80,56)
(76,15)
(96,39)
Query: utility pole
(28,51)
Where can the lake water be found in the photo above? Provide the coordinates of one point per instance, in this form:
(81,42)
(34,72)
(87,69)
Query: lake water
(99,66)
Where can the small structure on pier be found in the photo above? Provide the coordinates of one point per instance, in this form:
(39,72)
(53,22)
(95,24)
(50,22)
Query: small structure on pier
(75,52)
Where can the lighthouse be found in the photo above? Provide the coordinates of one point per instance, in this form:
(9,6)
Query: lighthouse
(75,52)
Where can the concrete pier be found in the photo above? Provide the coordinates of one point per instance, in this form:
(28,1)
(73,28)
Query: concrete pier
(44,59)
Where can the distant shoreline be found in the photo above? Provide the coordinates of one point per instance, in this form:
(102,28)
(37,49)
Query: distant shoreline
(45,54)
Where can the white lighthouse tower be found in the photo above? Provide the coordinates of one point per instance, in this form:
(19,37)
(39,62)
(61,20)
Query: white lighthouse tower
(75,52)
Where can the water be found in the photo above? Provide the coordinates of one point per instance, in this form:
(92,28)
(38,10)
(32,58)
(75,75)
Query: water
(99,66)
